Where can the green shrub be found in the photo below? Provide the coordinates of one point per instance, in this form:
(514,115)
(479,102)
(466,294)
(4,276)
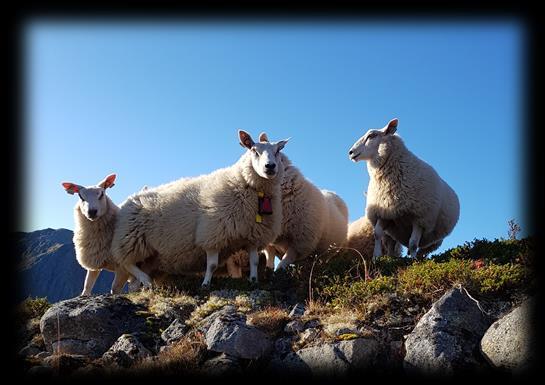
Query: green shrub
(33,308)
(498,278)
(429,277)
(499,251)
(346,293)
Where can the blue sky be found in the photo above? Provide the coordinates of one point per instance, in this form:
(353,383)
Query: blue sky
(157,101)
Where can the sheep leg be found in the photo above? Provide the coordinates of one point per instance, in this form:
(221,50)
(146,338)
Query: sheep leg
(134,285)
(90,279)
(287,259)
(120,278)
(139,275)
(379,234)
(211,265)
(270,255)
(233,268)
(254,261)
(414,240)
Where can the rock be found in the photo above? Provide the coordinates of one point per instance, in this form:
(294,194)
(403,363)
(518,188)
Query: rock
(174,332)
(507,344)
(236,338)
(40,371)
(297,311)
(283,346)
(222,365)
(332,359)
(313,323)
(125,351)
(42,355)
(63,364)
(89,325)
(228,311)
(294,327)
(308,336)
(30,350)
(445,338)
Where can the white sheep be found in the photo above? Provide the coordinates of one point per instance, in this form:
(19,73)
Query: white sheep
(312,219)
(214,215)
(406,198)
(95,217)
(361,237)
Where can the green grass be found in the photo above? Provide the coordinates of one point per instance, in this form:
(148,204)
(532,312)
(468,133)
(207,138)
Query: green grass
(32,308)
(486,268)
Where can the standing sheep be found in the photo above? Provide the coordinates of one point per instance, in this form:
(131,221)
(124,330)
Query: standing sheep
(178,224)
(406,198)
(312,219)
(95,218)
(361,237)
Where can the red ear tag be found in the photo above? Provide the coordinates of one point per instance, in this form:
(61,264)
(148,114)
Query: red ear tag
(265,205)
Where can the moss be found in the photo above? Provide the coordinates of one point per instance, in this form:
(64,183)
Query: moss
(347,336)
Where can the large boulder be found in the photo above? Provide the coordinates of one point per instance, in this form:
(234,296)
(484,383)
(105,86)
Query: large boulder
(233,336)
(89,325)
(508,343)
(445,339)
(330,359)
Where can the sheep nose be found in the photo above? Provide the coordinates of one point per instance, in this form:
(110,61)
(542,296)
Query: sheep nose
(92,213)
(350,152)
(270,166)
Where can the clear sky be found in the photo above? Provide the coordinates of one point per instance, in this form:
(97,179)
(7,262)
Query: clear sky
(154,102)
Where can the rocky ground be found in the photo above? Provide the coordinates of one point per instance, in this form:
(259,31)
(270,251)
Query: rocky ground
(272,330)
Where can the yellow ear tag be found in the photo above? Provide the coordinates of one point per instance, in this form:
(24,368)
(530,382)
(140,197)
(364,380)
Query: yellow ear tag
(258,218)
(260,194)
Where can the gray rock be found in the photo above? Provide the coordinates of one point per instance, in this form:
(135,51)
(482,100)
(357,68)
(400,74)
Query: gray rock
(332,359)
(174,332)
(42,355)
(236,338)
(308,336)
(125,351)
(221,365)
(283,346)
(228,311)
(29,350)
(445,338)
(40,371)
(89,325)
(507,344)
(297,311)
(294,327)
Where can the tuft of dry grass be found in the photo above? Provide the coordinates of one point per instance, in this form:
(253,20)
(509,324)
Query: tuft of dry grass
(271,320)
(182,357)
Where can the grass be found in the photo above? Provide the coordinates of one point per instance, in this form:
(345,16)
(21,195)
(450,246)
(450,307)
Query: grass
(182,357)
(32,308)
(271,320)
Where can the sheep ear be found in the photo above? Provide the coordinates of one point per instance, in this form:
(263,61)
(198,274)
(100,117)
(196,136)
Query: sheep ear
(391,127)
(71,188)
(282,143)
(263,137)
(245,139)
(108,182)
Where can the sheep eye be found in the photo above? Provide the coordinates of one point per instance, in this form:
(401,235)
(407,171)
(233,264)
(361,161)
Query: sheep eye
(101,195)
(255,151)
(80,197)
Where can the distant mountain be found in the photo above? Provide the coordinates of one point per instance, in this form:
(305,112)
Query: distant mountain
(47,266)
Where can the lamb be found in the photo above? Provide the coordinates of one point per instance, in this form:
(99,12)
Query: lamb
(406,198)
(95,218)
(312,220)
(361,237)
(213,215)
